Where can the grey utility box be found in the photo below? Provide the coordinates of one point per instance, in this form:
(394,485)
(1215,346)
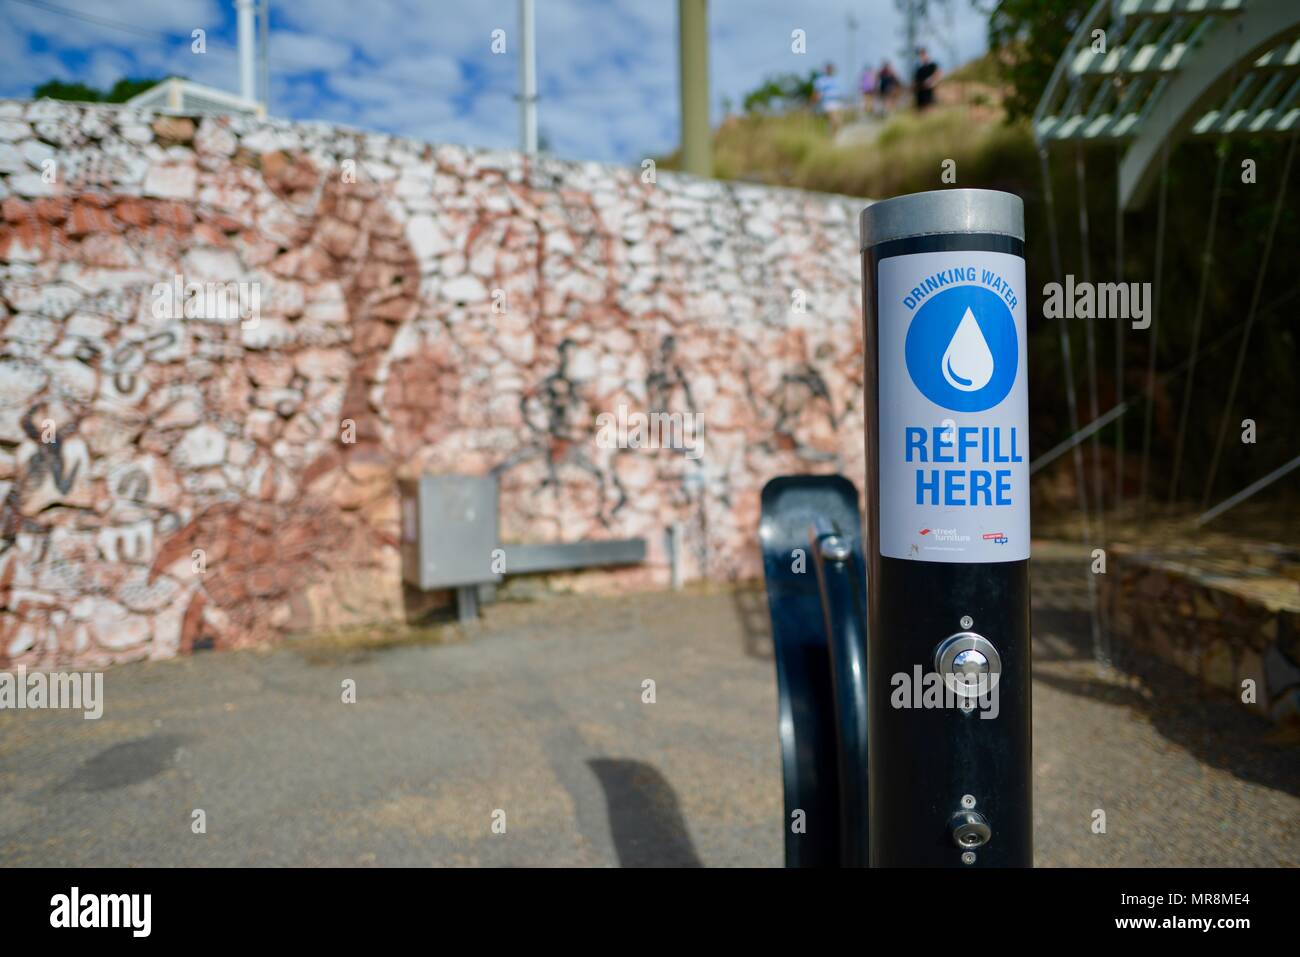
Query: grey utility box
(449,530)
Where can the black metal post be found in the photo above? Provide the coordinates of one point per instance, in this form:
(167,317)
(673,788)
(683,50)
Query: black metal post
(948,656)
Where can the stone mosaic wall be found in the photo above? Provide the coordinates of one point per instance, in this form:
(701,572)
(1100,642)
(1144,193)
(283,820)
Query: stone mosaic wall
(173,481)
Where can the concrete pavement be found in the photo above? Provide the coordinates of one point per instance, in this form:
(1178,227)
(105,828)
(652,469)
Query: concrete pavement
(538,713)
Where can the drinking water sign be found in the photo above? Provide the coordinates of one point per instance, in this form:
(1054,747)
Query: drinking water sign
(954,439)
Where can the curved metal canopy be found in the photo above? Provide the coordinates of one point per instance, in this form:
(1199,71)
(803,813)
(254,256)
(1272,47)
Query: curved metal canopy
(1164,70)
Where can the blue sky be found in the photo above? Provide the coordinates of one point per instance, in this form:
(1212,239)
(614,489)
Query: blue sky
(607,71)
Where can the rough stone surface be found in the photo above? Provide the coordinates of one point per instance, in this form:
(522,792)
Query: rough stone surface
(1226,613)
(370,309)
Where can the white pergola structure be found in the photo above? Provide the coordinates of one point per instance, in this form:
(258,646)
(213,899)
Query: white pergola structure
(1170,70)
(187,98)
(1142,76)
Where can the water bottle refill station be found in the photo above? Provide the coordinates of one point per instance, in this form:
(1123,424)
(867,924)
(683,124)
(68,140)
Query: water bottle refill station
(911,743)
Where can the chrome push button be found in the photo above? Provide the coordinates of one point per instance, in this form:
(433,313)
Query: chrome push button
(970,830)
(969,663)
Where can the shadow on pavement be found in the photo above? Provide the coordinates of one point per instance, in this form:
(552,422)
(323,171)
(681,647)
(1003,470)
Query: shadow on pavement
(1211,727)
(755,622)
(130,762)
(645,819)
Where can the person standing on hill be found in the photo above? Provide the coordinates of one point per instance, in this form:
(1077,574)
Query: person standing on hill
(887,85)
(925,79)
(827,97)
(867,86)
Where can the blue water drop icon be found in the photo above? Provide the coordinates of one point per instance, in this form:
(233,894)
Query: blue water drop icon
(967,363)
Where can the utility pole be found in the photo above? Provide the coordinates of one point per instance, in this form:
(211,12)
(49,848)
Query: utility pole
(693,57)
(527,78)
(912,11)
(263,56)
(850,69)
(247,73)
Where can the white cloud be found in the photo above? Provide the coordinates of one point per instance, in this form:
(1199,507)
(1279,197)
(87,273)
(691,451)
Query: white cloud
(296,52)
(105,67)
(432,71)
(145,17)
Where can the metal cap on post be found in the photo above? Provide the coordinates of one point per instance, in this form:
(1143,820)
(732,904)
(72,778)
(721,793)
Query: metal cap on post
(942,212)
(944,302)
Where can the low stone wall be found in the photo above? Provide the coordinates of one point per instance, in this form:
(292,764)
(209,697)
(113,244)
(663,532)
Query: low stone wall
(1227,614)
(176,475)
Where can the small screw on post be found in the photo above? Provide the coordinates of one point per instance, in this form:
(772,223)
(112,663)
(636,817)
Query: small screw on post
(835,549)
(968,801)
(968,857)
(967,621)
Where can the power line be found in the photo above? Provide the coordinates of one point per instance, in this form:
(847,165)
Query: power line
(91,18)
(212,47)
